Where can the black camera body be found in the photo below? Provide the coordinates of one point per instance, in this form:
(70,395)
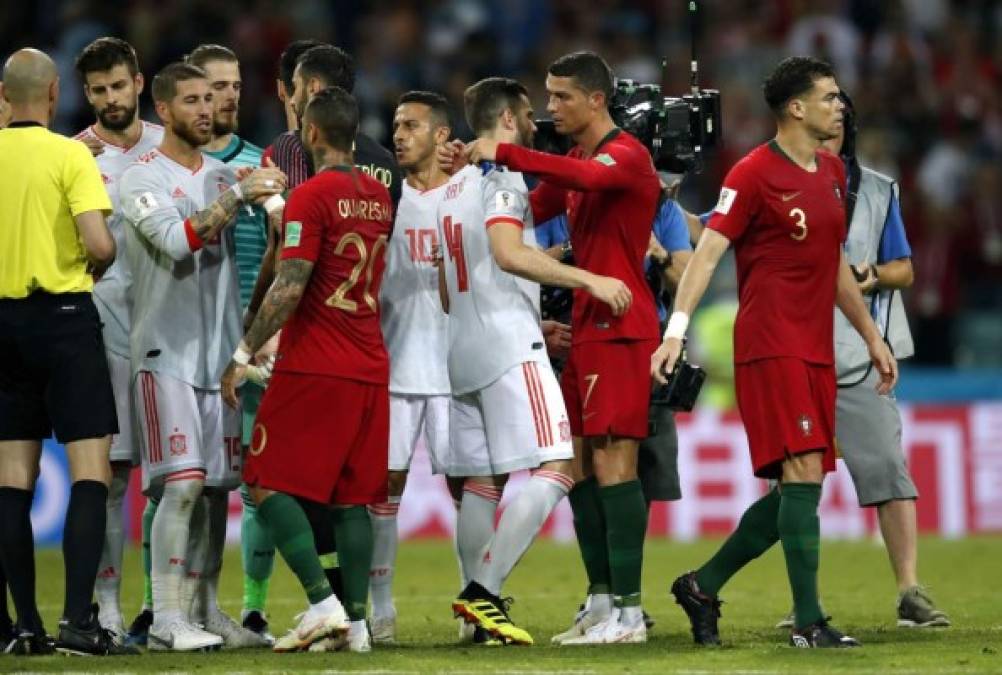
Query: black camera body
(675,130)
(682,390)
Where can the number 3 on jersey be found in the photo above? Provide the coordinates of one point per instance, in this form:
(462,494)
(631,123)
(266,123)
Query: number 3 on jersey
(454,242)
(340,299)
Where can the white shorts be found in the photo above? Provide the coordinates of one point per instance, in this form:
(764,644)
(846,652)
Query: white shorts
(124,444)
(183,428)
(413,416)
(516,422)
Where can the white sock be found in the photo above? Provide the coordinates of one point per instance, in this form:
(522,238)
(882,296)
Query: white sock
(520,524)
(599,603)
(631,616)
(217,504)
(169,545)
(384,555)
(475,526)
(326,606)
(109,574)
(196,558)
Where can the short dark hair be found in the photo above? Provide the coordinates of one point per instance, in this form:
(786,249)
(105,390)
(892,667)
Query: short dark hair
(488,98)
(331,65)
(290,57)
(436,102)
(203,54)
(792,77)
(165,82)
(104,54)
(589,70)
(335,112)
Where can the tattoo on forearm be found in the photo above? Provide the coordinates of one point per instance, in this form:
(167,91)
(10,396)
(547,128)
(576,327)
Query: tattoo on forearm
(213,218)
(280,302)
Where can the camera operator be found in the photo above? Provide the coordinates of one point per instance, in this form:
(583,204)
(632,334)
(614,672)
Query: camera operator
(609,190)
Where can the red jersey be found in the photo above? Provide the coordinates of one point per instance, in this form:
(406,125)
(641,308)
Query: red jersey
(339,220)
(787,225)
(610,199)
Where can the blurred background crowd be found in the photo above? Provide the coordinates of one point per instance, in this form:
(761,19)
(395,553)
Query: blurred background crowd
(926,77)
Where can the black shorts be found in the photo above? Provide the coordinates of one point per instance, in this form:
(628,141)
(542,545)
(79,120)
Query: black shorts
(657,458)
(53,370)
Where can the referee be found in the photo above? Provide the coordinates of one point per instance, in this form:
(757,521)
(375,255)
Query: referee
(53,374)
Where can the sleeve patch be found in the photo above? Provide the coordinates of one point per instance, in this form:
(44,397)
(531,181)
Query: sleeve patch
(146,204)
(605,158)
(726,201)
(503,200)
(293,233)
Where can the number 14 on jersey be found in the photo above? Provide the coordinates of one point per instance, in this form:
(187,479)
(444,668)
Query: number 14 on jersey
(454,244)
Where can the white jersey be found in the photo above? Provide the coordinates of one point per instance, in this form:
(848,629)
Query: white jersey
(493,315)
(186,297)
(111,291)
(415,328)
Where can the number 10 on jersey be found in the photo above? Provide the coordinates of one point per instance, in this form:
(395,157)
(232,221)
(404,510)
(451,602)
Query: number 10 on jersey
(454,242)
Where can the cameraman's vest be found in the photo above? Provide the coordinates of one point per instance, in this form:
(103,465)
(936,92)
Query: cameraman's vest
(852,360)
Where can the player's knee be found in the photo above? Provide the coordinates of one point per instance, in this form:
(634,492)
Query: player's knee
(396,482)
(183,491)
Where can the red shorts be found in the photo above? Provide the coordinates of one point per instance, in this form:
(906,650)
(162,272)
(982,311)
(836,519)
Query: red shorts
(322,438)
(607,388)
(788,407)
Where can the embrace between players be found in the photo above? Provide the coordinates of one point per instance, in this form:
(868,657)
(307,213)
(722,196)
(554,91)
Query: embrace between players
(422,319)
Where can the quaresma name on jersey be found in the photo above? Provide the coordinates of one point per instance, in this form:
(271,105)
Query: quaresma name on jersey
(186,296)
(111,290)
(415,328)
(493,315)
(340,221)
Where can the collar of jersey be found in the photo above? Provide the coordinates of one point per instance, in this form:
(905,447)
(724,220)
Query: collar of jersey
(24,123)
(487,167)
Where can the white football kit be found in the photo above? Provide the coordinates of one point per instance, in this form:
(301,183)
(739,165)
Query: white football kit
(507,410)
(416,332)
(111,291)
(185,321)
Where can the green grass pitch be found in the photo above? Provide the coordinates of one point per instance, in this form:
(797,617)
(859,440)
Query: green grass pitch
(965,577)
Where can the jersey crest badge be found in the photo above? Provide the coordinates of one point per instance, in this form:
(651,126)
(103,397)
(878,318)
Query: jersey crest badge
(806,426)
(605,158)
(726,200)
(146,204)
(178,445)
(293,232)
(565,431)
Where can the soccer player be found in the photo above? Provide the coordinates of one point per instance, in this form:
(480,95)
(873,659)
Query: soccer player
(250,233)
(112,83)
(317,68)
(325,295)
(186,319)
(507,413)
(608,187)
(416,332)
(867,425)
(783,208)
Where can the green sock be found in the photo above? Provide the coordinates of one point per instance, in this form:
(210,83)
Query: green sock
(148,513)
(290,530)
(626,526)
(800,531)
(755,534)
(589,526)
(257,552)
(353,532)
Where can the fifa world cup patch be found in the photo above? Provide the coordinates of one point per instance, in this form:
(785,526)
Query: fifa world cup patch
(146,204)
(293,232)
(503,200)
(605,158)
(726,201)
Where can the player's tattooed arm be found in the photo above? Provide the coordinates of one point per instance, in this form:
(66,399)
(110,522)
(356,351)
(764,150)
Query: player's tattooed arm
(280,302)
(266,274)
(208,222)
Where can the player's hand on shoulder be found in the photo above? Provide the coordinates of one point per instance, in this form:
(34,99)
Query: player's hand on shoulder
(663,359)
(557,336)
(482,150)
(612,292)
(263,182)
(451,156)
(93,144)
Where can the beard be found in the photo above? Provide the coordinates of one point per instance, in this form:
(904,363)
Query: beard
(127,117)
(223,125)
(191,135)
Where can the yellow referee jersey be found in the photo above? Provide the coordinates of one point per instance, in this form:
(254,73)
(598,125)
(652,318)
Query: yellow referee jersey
(45,180)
